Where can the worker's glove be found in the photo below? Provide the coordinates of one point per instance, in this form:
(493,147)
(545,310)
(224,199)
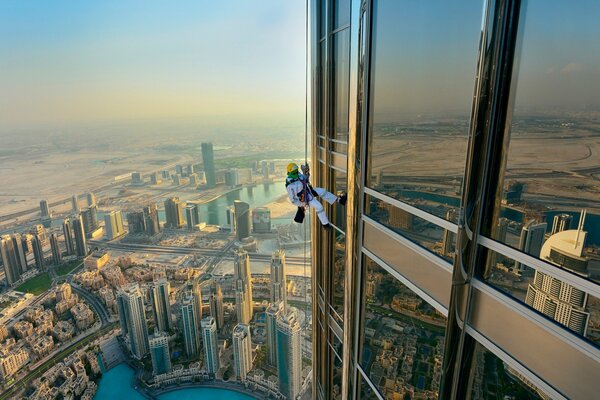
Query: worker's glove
(299,217)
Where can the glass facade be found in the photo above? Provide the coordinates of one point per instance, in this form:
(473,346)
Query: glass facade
(464,264)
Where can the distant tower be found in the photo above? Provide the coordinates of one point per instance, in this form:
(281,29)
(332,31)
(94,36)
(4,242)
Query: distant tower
(272,314)
(136,178)
(79,233)
(448,244)
(278,280)
(161,305)
(289,354)
(152,223)
(211,346)
(231,178)
(40,231)
(243,287)
(44,210)
(136,222)
(133,320)
(242,219)
(261,220)
(499,234)
(68,236)
(89,217)
(74,205)
(209,164)
(192,216)
(91,199)
(561,222)
(38,252)
(10,259)
(190,323)
(56,254)
(173,213)
(242,351)
(216,306)
(159,352)
(113,225)
(531,241)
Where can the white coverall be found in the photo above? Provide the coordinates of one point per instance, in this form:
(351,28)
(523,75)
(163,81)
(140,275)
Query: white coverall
(296,187)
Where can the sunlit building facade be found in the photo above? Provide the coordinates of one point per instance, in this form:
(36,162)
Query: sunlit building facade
(451,125)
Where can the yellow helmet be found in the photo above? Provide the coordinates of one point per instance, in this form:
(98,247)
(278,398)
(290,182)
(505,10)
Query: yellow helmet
(292,167)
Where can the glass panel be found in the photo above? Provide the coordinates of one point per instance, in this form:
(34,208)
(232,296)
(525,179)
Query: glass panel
(493,379)
(341,81)
(341,14)
(422,79)
(557,300)
(338,212)
(428,235)
(339,271)
(402,337)
(550,206)
(365,392)
(336,387)
(323,17)
(323,88)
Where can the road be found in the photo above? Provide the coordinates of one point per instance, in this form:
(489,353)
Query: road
(22,383)
(96,304)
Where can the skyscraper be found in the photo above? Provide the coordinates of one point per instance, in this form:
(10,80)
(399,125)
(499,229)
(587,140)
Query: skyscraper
(561,222)
(89,216)
(173,213)
(10,259)
(190,323)
(271,316)
(530,242)
(130,302)
(242,217)
(74,204)
(38,252)
(289,354)
(151,221)
(209,164)
(90,198)
(39,231)
(113,225)
(192,216)
(231,178)
(449,236)
(278,280)
(68,236)
(216,306)
(54,246)
(242,351)
(135,222)
(159,353)
(44,210)
(211,345)
(243,287)
(161,305)
(79,233)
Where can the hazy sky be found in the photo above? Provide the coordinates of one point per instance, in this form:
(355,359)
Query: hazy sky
(67,63)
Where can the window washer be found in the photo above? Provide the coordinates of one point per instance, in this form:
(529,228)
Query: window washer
(302,194)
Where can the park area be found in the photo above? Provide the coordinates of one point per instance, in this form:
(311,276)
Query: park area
(36,285)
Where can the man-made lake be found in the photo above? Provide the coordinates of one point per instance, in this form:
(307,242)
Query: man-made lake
(116,385)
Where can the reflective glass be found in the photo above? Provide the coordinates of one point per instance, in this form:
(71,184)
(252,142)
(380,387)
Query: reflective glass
(341,81)
(322,88)
(365,392)
(493,379)
(430,236)
(336,375)
(550,201)
(338,211)
(341,14)
(338,277)
(402,337)
(422,80)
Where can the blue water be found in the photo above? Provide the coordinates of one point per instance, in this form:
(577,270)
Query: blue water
(116,385)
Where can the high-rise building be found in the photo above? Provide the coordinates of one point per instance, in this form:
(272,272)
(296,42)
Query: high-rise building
(11,259)
(278,280)
(231,178)
(89,216)
(242,219)
(211,345)
(261,220)
(289,354)
(243,287)
(39,231)
(242,351)
(209,164)
(531,241)
(179,169)
(190,324)
(216,306)
(173,213)
(74,204)
(113,225)
(68,237)
(90,199)
(449,236)
(561,222)
(151,220)
(192,216)
(79,234)
(44,210)
(159,353)
(54,246)
(136,178)
(38,252)
(155,178)
(26,239)
(136,223)
(271,316)
(132,316)
(161,305)
(193,180)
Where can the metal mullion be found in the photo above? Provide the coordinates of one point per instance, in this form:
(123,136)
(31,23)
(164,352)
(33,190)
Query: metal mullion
(366,379)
